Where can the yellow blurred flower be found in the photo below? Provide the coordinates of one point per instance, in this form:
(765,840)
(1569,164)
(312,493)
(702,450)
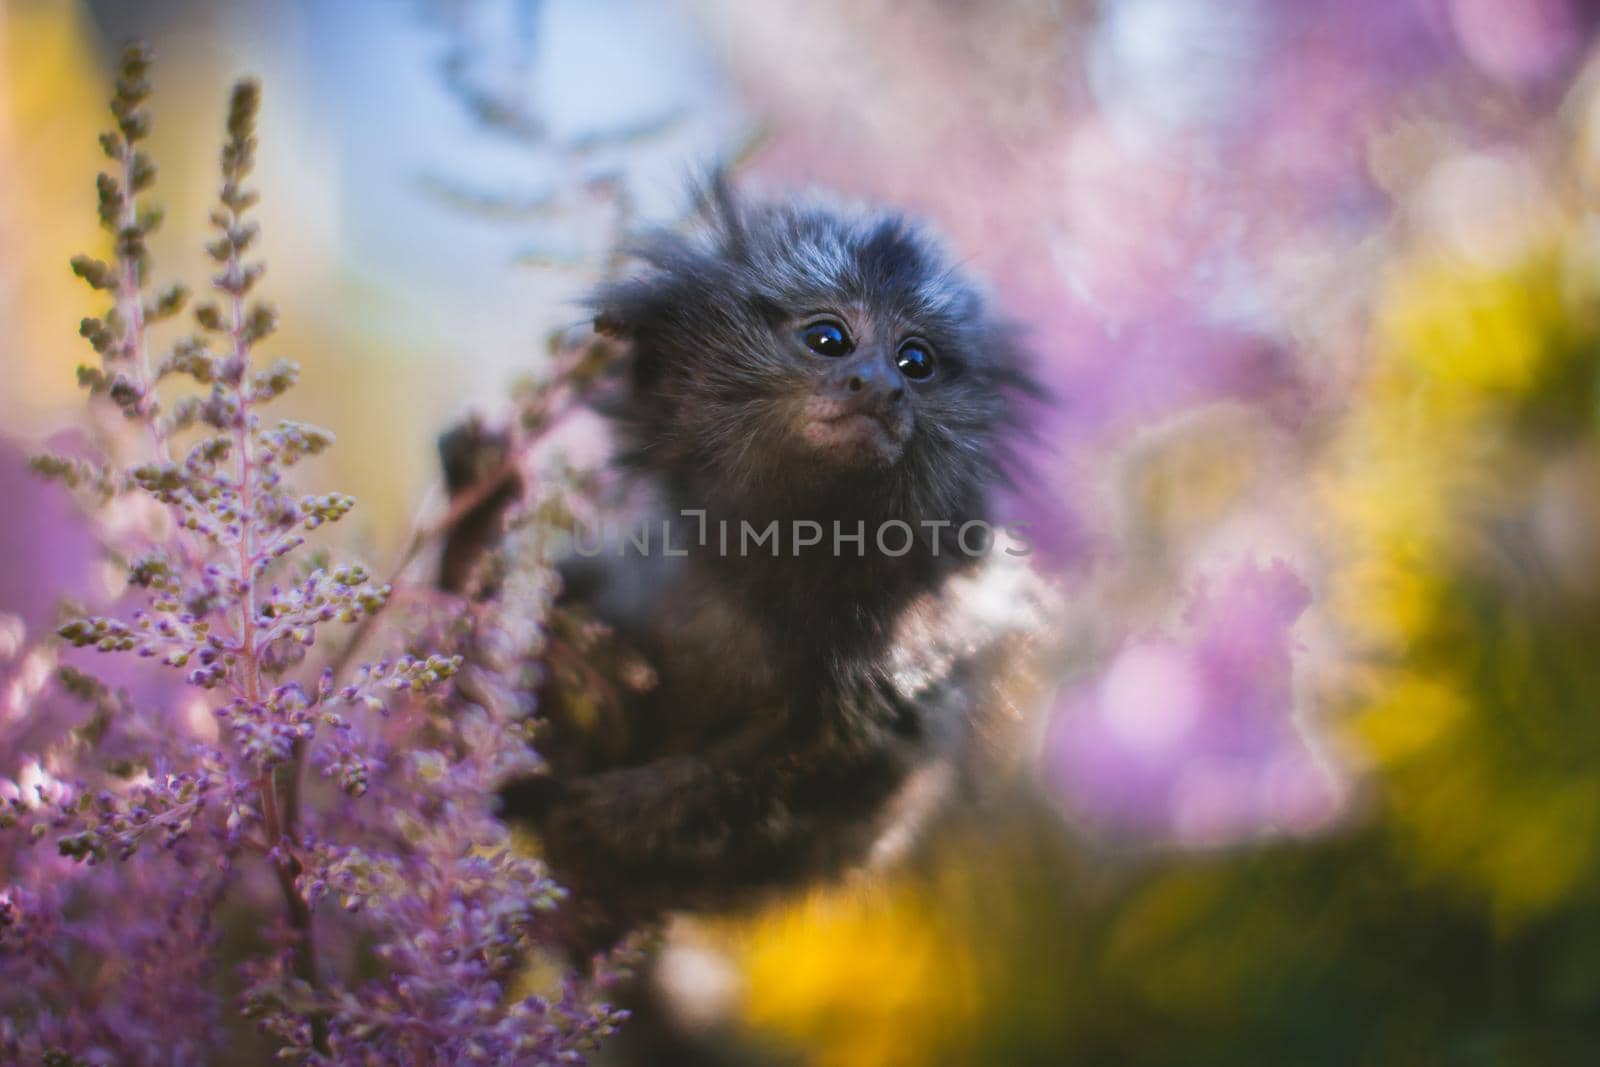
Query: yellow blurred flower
(860,976)
(1479,382)
(52,103)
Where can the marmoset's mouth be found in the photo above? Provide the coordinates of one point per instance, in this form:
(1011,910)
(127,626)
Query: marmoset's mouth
(853,434)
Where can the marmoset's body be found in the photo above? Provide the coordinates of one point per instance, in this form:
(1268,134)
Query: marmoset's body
(804,365)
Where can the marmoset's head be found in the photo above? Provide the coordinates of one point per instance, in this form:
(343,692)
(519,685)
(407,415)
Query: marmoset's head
(790,353)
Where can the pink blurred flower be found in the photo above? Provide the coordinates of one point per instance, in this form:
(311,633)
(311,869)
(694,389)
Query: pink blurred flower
(47,548)
(1193,737)
(1520,42)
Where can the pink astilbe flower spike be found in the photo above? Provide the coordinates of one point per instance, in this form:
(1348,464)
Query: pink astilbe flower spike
(338,807)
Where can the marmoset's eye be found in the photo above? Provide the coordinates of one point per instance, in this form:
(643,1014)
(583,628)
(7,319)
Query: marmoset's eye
(915,360)
(826,339)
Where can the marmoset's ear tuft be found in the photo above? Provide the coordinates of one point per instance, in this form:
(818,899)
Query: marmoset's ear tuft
(719,205)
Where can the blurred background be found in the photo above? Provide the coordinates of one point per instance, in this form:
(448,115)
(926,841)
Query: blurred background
(1308,767)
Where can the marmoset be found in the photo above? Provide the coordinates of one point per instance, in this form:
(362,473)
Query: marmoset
(831,371)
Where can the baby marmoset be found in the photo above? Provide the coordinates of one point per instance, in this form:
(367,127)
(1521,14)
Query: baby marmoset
(795,363)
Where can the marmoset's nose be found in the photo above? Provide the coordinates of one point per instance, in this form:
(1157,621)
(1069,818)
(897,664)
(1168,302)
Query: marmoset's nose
(869,384)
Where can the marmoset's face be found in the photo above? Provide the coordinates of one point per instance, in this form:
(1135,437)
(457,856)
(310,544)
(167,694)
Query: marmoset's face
(864,374)
(803,352)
